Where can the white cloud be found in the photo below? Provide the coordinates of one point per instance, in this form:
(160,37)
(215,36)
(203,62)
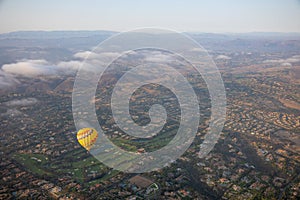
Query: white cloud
(85,55)
(223,57)
(7,80)
(68,67)
(11,106)
(159,57)
(93,56)
(274,61)
(293,59)
(91,61)
(29,68)
(12,112)
(21,102)
(33,68)
(198,50)
(285,62)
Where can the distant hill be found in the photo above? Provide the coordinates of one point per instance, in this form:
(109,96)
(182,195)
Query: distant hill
(52,34)
(55,46)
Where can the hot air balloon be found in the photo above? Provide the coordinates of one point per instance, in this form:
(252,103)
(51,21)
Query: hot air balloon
(87,137)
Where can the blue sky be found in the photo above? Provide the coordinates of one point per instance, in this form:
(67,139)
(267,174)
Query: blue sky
(123,15)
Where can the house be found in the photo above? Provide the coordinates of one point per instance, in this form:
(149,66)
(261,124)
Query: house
(140,181)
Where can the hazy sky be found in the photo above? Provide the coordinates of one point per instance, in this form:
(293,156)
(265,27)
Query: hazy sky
(122,15)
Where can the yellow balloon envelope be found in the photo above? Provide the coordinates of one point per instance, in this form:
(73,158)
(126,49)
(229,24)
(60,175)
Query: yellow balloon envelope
(87,137)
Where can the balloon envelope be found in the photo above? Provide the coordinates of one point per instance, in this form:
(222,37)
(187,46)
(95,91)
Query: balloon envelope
(87,137)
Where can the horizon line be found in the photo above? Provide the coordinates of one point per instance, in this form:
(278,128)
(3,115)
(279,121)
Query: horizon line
(114,31)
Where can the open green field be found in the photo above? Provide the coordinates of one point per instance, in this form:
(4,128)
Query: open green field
(78,164)
(153,144)
(33,162)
